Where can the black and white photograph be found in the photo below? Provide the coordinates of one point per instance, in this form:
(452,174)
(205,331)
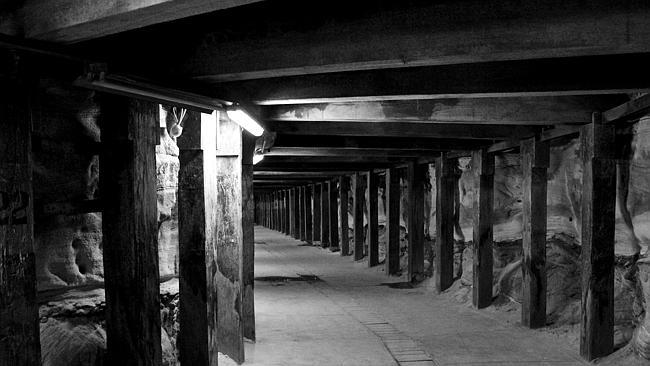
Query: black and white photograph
(324,183)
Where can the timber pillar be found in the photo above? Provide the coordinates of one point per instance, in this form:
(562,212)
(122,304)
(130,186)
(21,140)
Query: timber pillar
(197,206)
(248,230)
(598,216)
(334,215)
(227,271)
(392,221)
(325,216)
(308,214)
(303,214)
(483,166)
(415,174)
(373,219)
(344,187)
(19,325)
(443,272)
(130,231)
(315,189)
(535,160)
(357,212)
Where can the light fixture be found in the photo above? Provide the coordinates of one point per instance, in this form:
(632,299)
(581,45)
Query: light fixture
(142,89)
(243,119)
(257,158)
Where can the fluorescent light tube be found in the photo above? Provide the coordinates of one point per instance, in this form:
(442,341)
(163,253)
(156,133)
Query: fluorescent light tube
(257,158)
(245,121)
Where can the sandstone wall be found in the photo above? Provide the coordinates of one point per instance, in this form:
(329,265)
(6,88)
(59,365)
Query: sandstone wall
(68,248)
(66,168)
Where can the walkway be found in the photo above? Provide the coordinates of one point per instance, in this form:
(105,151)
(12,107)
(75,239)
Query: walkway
(345,317)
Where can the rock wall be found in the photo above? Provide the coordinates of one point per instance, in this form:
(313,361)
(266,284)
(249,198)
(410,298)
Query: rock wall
(167,165)
(563,235)
(69,259)
(66,168)
(73,326)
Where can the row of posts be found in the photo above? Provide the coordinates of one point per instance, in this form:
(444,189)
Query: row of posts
(310,213)
(215,200)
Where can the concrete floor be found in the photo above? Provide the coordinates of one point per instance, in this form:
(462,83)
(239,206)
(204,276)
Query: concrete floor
(349,318)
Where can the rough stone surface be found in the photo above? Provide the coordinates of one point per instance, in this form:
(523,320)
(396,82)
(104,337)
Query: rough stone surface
(73,327)
(66,168)
(167,166)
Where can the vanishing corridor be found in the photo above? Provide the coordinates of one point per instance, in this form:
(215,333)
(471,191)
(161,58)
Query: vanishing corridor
(346,317)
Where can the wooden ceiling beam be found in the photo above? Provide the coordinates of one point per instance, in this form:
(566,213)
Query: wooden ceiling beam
(401,129)
(502,111)
(508,79)
(629,110)
(312,166)
(262,178)
(299,174)
(271,188)
(348,151)
(366,35)
(283,182)
(70,21)
(335,159)
(377,142)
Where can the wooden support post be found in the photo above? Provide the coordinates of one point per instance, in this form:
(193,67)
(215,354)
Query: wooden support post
(228,268)
(296,210)
(325,214)
(287,214)
(392,221)
(303,214)
(265,210)
(344,186)
(301,210)
(292,213)
(276,212)
(315,188)
(262,211)
(445,187)
(283,214)
(197,203)
(373,219)
(248,252)
(257,210)
(130,231)
(269,211)
(415,175)
(535,160)
(272,211)
(334,215)
(19,325)
(308,215)
(357,210)
(598,205)
(483,165)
